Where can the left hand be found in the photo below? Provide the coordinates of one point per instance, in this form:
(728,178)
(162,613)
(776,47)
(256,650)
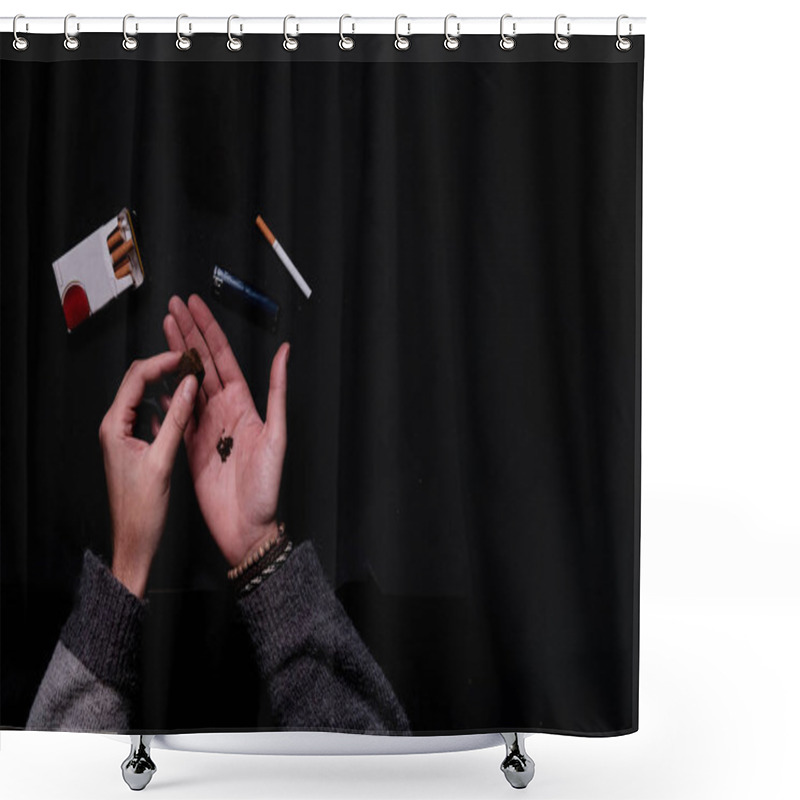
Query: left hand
(137,473)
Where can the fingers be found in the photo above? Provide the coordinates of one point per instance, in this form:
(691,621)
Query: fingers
(173,334)
(193,337)
(131,390)
(178,421)
(176,342)
(276,400)
(221,352)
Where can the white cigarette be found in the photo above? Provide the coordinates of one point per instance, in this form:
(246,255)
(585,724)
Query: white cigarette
(287,262)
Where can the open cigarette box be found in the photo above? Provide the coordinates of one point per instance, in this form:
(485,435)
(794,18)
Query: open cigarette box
(98,269)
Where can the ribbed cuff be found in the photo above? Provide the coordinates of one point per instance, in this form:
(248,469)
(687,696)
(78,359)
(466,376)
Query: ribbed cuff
(320,672)
(281,612)
(104,628)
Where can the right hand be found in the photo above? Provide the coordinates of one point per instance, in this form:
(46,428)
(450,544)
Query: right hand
(239,496)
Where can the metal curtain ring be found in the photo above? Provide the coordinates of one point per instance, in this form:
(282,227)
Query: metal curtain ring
(129,42)
(507,42)
(451,42)
(346,42)
(561,42)
(290,43)
(182,42)
(401,42)
(234,43)
(71,42)
(623,44)
(20,42)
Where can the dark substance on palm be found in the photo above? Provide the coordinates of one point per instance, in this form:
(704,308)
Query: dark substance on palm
(224,446)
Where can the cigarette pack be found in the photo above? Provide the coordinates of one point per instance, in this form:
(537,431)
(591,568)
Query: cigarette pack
(98,269)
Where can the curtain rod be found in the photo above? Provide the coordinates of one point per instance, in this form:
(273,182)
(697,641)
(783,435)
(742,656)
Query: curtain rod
(241,26)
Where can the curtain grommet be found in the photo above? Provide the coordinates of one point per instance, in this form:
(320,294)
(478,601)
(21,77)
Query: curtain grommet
(71,43)
(346,42)
(452,42)
(401,42)
(290,43)
(234,43)
(129,42)
(182,42)
(561,43)
(20,43)
(507,42)
(623,44)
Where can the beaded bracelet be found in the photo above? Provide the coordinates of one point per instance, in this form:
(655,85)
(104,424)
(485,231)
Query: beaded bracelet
(234,573)
(246,584)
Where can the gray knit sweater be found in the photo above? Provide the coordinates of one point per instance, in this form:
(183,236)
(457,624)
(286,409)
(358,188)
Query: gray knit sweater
(317,670)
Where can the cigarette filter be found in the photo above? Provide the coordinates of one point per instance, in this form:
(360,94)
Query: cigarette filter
(98,269)
(228,286)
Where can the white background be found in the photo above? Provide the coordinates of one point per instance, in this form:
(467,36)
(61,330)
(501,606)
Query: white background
(720,614)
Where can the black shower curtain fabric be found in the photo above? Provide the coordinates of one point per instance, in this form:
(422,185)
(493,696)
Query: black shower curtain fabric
(461,472)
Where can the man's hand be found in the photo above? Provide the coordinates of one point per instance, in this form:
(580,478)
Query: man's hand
(137,473)
(238,495)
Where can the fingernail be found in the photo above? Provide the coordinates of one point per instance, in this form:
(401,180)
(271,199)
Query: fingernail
(288,351)
(189,388)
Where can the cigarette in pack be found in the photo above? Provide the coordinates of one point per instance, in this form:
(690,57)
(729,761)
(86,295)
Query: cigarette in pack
(98,269)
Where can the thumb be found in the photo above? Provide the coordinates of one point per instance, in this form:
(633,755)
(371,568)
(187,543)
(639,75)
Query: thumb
(276,400)
(175,423)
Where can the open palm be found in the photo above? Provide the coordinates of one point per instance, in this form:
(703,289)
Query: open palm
(237,490)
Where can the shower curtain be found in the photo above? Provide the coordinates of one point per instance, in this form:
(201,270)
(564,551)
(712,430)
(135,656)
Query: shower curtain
(450,243)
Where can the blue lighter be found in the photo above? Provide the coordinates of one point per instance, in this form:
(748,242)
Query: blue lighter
(227,286)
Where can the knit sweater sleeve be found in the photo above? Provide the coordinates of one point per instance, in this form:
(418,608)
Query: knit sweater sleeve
(93,672)
(318,672)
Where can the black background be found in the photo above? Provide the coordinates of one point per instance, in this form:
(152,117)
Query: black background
(464,381)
